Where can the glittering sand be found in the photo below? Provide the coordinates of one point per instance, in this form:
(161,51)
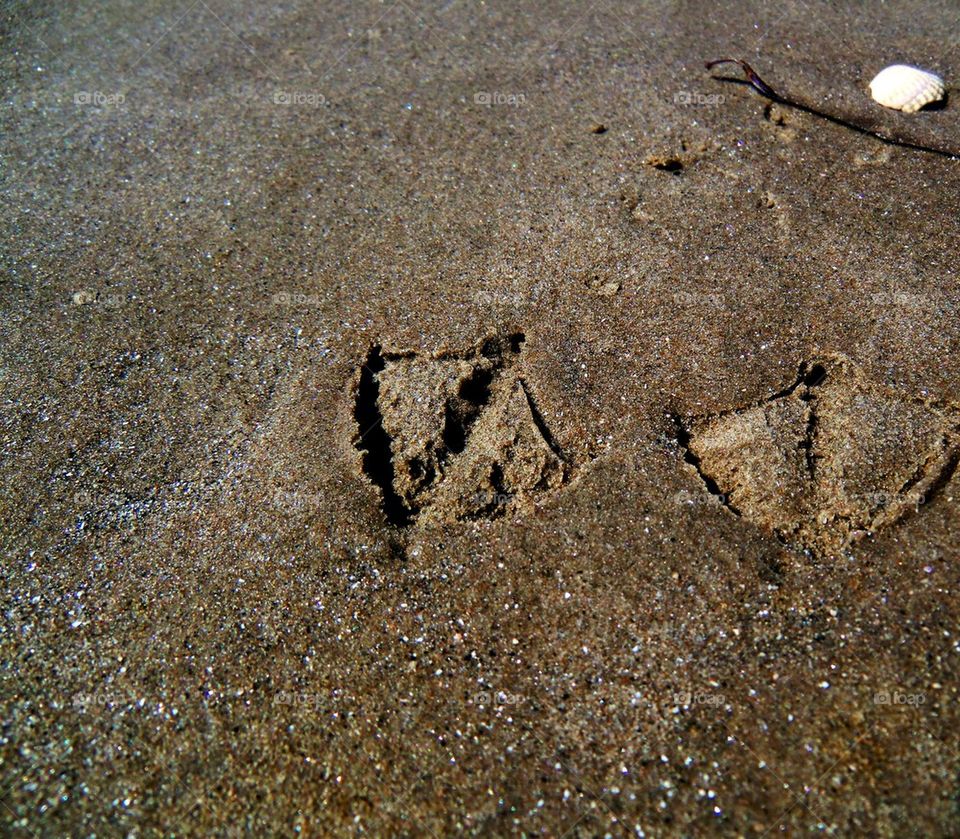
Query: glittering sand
(438,419)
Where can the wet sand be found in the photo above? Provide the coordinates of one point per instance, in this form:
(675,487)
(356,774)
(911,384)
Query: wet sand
(450,419)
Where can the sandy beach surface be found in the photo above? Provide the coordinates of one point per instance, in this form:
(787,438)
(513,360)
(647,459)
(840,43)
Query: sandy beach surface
(432,419)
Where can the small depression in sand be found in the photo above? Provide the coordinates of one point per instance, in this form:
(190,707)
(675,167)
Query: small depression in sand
(828,460)
(454,437)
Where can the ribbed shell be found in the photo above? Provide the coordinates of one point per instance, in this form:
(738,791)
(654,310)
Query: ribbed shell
(906,88)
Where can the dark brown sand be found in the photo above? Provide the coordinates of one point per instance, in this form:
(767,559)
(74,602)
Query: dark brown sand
(437,419)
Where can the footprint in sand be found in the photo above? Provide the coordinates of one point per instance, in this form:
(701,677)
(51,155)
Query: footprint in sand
(828,460)
(454,437)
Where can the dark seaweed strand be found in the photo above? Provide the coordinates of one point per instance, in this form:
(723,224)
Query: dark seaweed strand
(765,90)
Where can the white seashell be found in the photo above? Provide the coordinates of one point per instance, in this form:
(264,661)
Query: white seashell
(906,88)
